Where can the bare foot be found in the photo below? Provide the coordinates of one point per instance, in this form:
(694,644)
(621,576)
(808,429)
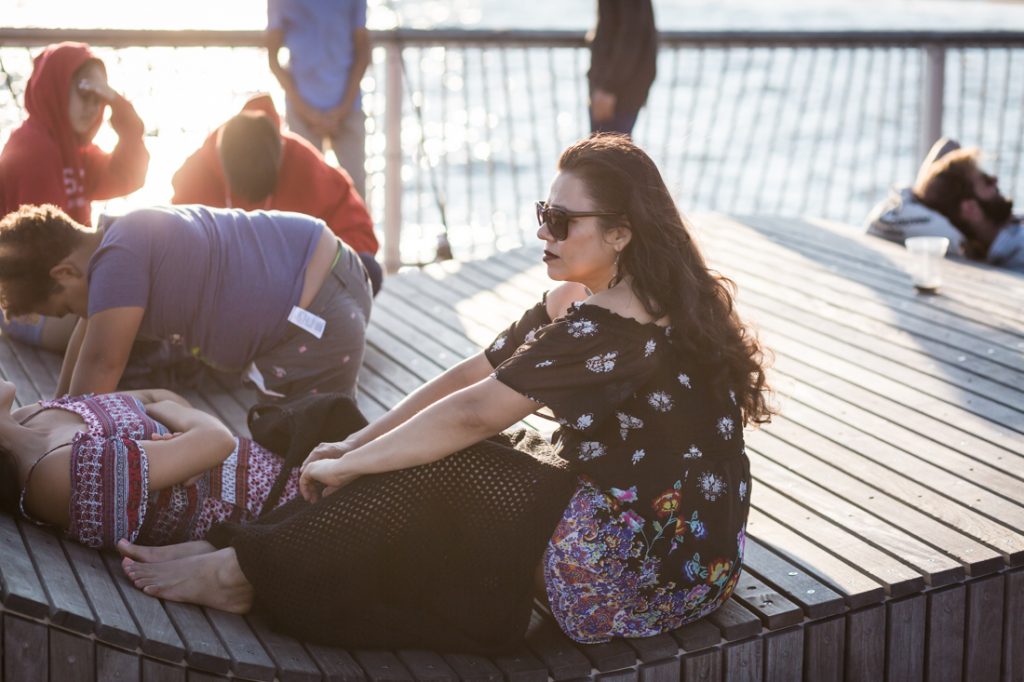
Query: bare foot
(167,553)
(212,579)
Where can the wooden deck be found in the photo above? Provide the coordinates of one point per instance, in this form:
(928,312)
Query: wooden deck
(887,528)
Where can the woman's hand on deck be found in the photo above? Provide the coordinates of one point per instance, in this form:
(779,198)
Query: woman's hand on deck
(322,478)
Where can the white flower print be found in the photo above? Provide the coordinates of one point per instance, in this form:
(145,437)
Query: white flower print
(602,363)
(711,486)
(499,343)
(584,421)
(725,427)
(743,491)
(732,396)
(685,380)
(638,455)
(544,363)
(590,449)
(627,422)
(531,335)
(693,453)
(649,348)
(582,328)
(660,401)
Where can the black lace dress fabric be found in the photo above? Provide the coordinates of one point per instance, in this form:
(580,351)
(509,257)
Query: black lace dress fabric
(440,556)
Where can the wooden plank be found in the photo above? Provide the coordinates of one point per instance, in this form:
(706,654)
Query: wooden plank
(557,652)
(735,622)
(71,657)
(471,668)
(629,675)
(154,671)
(816,599)
(291,660)
(857,589)
(114,623)
(159,638)
(656,648)
(116,665)
(25,651)
(665,670)
(19,585)
(522,666)
(382,666)
(698,635)
(904,645)
(427,666)
(68,606)
(248,657)
(14,372)
(863,479)
(934,566)
(742,661)
(898,578)
(1013,628)
(984,628)
(773,609)
(705,666)
(865,644)
(614,654)
(784,655)
(336,664)
(824,649)
(203,649)
(944,638)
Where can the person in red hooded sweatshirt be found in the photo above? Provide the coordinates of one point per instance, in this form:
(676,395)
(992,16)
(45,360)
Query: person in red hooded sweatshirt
(50,157)
(250,163)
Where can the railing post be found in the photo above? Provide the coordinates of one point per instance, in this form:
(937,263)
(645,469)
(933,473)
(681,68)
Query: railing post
(393,156)
(933,82)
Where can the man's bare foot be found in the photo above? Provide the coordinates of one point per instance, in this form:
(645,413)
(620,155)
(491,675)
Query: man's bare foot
(167,553)
(212,579)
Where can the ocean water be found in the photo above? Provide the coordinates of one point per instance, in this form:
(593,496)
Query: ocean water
(743,131)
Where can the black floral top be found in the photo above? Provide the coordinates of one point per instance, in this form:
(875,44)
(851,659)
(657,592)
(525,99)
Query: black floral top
(653,537)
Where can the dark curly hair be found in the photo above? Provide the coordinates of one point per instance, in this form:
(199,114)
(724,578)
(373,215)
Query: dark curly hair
(33,239)
(668,270)
(250,152)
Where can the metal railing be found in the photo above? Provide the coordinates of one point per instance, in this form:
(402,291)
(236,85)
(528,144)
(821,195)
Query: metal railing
(464,126)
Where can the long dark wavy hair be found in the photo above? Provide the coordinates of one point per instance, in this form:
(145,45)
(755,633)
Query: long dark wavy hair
(668,271)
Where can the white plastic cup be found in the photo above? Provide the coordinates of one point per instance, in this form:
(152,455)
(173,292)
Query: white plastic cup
(927,253)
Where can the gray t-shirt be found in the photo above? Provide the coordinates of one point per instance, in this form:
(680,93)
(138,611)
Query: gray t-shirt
(220,281)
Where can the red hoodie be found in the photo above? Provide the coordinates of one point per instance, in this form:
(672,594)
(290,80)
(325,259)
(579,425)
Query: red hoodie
(305,184)
(45,161)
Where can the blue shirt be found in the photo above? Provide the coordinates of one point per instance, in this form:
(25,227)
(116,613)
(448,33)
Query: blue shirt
(220,281)
(318,35)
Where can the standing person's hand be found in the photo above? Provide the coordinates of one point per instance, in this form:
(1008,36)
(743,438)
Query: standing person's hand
(602,105)
(97,87)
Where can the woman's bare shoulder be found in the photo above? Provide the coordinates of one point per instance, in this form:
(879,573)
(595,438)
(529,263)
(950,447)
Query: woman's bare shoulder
(564,295)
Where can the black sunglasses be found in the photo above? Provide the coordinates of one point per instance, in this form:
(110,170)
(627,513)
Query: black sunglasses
(558,219)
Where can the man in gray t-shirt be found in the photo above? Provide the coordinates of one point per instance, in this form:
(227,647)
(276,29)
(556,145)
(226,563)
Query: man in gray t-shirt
(273,295)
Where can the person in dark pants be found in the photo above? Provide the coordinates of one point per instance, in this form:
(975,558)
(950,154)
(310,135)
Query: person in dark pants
(623,56)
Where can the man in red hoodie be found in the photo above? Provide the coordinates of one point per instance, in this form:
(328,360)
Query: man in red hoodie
(50,157)
(250,163)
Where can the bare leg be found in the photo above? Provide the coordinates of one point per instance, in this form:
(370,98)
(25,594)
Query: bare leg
(166,553)
(213,579)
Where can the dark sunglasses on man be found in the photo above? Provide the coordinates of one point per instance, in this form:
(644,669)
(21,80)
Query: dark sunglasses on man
(558,219)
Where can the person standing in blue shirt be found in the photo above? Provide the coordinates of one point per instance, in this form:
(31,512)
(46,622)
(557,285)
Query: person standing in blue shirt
(329,50)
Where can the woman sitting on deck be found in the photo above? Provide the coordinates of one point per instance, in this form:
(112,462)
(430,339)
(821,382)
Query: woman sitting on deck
(143,465)
(423,534)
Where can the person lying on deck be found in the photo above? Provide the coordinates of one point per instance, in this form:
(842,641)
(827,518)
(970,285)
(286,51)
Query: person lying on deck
(141,465)
(953,198)
(275,296)
(429,526)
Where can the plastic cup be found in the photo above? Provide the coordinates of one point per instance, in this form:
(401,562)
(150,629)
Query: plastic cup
(927,253)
